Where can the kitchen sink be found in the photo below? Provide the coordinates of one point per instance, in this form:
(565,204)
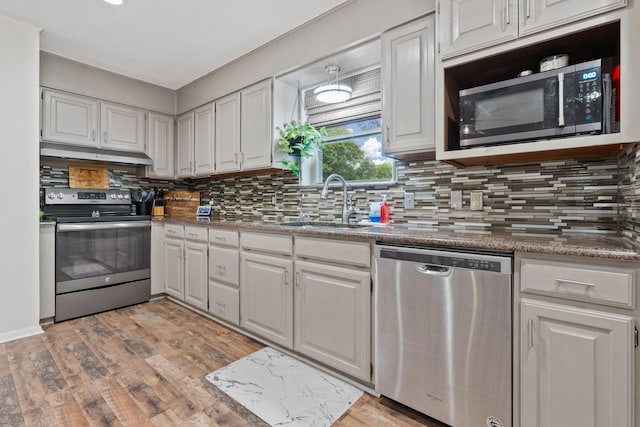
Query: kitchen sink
(321,224)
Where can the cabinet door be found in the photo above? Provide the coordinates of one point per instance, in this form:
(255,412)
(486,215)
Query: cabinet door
(228,133)
(122,128)
(204,141)
(577,367)
(266,297)
(196,281)
(173,268)
(157,258)
(185,145)
(539,15)
(333,316)
(468,25)
(256,126)
(69,119)
(160,146)
(408,88)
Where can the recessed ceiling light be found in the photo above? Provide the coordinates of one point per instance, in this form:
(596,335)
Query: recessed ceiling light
(115,2)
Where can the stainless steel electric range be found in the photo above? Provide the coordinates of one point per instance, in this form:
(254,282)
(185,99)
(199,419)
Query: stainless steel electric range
(102,251)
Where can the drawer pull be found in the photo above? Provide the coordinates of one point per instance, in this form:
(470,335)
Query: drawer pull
(574,282)
(221,267)
(222,239)
(530,332)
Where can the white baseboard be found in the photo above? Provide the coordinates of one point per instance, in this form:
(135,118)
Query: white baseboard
(20,333)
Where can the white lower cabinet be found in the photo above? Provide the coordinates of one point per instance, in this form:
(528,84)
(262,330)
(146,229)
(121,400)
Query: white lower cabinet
(158,261)
(174,267)
(186,264)
(224,275)
(195,274)
(577,366)
(266,297)
(332,316)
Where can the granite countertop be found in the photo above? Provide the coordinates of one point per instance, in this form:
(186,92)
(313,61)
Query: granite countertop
(580,245)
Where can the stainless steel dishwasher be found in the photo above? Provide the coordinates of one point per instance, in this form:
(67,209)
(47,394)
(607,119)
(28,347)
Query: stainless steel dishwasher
(443,333)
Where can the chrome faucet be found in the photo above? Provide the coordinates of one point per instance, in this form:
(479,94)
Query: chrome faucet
(303,216)
(347,210)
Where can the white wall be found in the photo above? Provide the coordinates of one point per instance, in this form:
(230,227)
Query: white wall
(347,26)
(61,73)
(19,227)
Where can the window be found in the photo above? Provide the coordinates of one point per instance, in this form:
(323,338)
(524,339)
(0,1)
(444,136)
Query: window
(353,149)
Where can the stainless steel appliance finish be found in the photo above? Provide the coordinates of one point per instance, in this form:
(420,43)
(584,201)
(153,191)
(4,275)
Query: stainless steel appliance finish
(561,102)
(102,251)
(443,333)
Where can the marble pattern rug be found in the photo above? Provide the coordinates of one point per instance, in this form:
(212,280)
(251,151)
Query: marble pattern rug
(284,391)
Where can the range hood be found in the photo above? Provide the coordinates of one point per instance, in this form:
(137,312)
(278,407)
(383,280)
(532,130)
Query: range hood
(48,149)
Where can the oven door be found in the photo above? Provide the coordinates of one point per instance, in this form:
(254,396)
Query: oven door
(93,255)
(536,106)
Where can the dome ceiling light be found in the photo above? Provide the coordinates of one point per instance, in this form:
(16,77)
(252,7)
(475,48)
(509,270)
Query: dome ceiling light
(333,92)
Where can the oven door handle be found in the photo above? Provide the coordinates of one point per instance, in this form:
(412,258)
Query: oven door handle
(90,226)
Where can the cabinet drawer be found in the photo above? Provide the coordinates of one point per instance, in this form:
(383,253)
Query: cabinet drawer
(271,243)
(343,252)
(597,284)
(224,302)
(174,230)
(224,265)
(199,234)
(223,237)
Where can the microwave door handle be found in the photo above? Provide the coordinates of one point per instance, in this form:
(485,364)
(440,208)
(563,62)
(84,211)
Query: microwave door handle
(561,99)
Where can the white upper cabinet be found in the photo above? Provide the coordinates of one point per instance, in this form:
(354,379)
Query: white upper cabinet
(185,145)
(204,137)
(256,126)
(160,145)
(244,129)
(408,88)
(122,128)
(69,119)
(539,15)
(467,25)
(228,133)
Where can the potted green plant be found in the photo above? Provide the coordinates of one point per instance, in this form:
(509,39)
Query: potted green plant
(299,140)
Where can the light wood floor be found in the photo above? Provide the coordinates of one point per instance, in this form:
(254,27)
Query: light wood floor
(141,366)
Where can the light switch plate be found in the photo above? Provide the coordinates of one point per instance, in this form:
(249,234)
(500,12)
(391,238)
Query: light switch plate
(409,200)
(456,199)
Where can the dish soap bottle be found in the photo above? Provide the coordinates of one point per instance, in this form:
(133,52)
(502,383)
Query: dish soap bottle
(384,210)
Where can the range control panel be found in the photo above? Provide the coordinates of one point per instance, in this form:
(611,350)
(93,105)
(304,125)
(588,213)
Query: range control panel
(72,196)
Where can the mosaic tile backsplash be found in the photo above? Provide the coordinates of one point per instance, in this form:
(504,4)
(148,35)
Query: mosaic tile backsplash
(567,196)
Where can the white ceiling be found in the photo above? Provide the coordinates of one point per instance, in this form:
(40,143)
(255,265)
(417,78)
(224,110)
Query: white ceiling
(168,43)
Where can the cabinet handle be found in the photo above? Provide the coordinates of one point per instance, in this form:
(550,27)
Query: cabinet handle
(105,136)
(561,99)
(221,267)
(505,10)
(222,239)
(236,158)
(530,332)
(93,135)
(241,159)
(286,277)
(193,234)
(386,137)
(298,279)
(574,282)
(528,9)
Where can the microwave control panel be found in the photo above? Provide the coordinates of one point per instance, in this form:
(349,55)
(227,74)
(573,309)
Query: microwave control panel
(588,96)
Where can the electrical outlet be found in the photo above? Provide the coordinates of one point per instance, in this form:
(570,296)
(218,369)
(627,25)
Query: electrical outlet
(409,200)
(456,199)
(476,200)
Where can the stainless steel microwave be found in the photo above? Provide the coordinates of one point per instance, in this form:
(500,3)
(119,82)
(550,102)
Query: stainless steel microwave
(566,101)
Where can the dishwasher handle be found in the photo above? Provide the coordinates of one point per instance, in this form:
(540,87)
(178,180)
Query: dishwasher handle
(434,270)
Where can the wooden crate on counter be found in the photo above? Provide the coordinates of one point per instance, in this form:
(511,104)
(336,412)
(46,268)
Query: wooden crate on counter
(181,203)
